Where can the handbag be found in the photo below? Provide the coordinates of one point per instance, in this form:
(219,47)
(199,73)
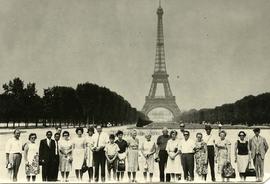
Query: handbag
(228,171)
(84,167)
(121,166)
(250,171)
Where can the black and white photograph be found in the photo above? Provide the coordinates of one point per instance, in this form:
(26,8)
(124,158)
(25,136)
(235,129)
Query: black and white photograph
(135,91)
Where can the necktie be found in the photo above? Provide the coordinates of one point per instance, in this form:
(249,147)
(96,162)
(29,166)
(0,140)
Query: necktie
(98,140)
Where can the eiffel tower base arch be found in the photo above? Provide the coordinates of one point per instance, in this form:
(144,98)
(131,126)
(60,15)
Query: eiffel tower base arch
(167,103)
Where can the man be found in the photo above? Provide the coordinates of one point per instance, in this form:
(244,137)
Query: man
(46,157)
(55,166)
(187,156)
(210,141)
(14,154)
(182,130)
(258,148)
(100,139)
(162,155)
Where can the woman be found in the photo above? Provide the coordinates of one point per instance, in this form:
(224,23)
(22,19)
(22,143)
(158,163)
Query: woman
(223,152)
(31,157)
(242,156)
(65,149)
(148,150)
(79,153)
(122,154)
(89,152)
(174,166)
(201,156)
(132,156)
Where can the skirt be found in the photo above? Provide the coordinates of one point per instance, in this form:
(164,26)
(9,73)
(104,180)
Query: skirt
(78,158)
(174,166)
(65,163)
(133,160)
(149,164)
(242,163)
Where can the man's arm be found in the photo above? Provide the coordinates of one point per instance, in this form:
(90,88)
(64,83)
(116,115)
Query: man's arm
(265,145)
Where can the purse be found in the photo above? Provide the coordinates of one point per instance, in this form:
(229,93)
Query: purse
(121,166)
(250,171)
(84,167)
(228,171)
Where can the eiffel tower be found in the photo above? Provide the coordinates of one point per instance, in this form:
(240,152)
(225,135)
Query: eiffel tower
(160,76)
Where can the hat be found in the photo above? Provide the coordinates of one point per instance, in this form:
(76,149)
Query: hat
(208,127)
(256,130)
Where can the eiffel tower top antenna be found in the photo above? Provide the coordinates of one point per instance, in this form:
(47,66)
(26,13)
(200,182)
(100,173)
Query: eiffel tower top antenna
(159,3)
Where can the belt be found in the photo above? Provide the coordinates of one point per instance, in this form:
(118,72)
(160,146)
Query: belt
(17,153)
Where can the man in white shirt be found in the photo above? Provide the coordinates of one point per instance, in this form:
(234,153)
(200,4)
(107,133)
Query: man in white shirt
(14,154)
(209,139)
(100,139)
(187,156)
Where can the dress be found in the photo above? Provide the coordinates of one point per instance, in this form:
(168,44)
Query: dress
(65,155)
(148,147)
(222,153)
(201,158)
(32,169)
(133,155)
(89,153)
(78,152)
(173,166)
(242,155)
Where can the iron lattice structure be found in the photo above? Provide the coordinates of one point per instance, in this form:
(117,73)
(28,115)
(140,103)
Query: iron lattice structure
(160,76)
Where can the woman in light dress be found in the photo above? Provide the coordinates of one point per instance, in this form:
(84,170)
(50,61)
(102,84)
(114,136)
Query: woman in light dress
(79,153)
(148,149)
(223,152)
(65,149)
(89,152)
(133,156)
(242,154)
(31,157)
(201,156)
(174,166)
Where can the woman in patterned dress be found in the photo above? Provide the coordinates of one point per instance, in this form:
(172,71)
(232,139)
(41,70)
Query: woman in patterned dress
(65,148)
(174,166)
(148,149)
(79,153)
(223,152)
(31,157)
(201,156)
(133,156)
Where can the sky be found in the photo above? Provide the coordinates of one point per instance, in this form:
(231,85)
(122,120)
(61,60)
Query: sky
(217,51)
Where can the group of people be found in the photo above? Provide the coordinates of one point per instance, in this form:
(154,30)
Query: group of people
(178,155)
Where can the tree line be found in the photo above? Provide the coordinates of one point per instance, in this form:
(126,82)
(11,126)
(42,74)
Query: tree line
(250,110)
(88,103)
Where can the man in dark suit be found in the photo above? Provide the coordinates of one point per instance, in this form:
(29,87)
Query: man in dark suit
(55,166)
(46,157)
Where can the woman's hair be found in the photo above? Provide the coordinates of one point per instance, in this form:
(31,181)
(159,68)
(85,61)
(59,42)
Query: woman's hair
(199,133)
(112,136)
(79,129)
(91,129)
(119,132)
(242,132)
(222,131)
(32,134)
(65,132)
(172,132)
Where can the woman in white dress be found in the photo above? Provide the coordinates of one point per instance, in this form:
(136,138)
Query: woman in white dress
(31,158)
(174,167)
(148,149)
(79,152)
(65,148)
(89,152)
(133,156)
